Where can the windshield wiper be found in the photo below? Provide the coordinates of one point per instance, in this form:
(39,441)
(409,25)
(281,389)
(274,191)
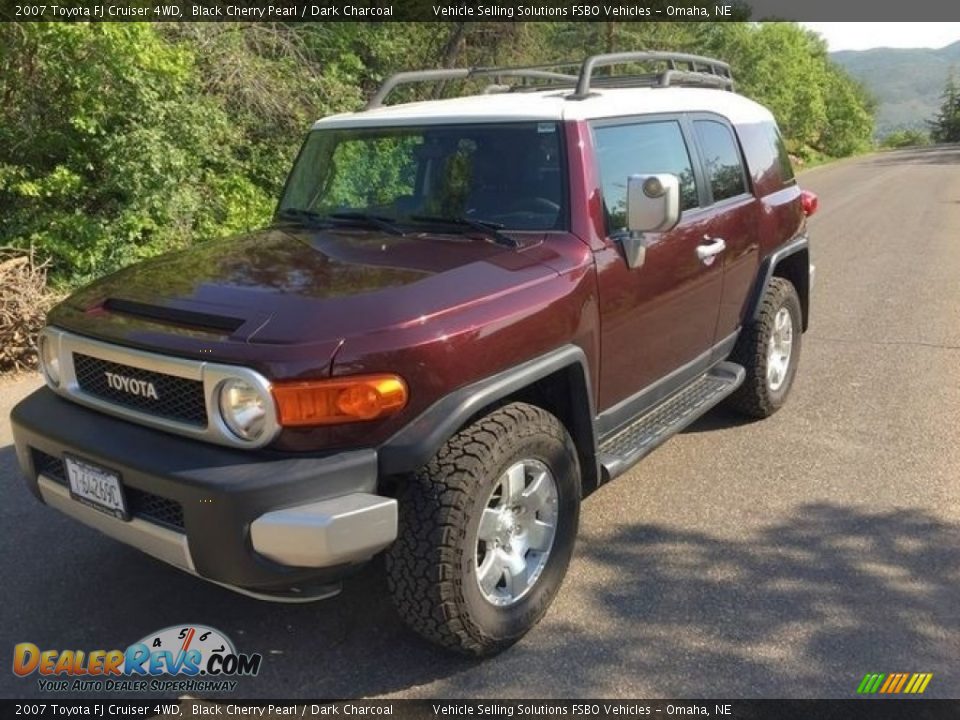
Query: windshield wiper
(339,218)
(381,223)
(490,229)
(311,217)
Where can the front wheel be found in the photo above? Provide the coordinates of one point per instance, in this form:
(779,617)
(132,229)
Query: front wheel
(487,529)
(769,350)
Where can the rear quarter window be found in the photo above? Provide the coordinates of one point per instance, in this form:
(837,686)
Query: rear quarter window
(783,157)
(766,155)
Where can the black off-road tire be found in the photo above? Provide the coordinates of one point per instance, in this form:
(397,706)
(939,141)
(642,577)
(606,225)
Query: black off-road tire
(755,397)
(431,571)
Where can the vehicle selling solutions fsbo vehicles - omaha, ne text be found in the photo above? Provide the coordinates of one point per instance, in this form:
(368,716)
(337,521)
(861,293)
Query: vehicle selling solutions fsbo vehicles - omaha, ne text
(465,315)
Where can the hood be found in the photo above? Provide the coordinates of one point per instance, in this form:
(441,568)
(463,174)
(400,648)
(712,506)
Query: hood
(293,285)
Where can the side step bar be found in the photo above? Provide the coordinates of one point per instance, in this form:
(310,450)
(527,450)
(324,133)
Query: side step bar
(622,450)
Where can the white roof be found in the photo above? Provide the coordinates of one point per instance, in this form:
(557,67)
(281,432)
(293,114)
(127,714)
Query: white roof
(553,105)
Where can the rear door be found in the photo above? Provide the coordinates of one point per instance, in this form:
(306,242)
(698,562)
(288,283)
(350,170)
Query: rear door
(734,219)
(659,320)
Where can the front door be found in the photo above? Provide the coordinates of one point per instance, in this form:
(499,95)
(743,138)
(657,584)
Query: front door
(658,321)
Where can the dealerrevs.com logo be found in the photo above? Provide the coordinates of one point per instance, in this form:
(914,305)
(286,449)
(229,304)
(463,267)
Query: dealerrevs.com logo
(201,658)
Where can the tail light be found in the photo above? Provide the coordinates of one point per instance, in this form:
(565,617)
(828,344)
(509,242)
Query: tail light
(809,202)
(343,400)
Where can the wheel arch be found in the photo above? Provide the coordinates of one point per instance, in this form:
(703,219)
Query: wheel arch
(557,382)
(791,262)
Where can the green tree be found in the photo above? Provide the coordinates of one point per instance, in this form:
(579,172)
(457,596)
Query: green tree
(109,152)
(945,127)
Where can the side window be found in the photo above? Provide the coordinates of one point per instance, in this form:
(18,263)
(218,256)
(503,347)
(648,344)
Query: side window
(786,167)
(641,148)
(724,169)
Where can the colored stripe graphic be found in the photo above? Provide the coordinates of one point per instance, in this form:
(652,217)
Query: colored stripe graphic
(894,683)
(870,683)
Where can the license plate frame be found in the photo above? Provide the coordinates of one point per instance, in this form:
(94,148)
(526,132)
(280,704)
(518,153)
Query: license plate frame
(88,482)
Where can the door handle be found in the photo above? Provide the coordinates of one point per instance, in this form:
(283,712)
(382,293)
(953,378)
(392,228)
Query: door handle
(708,252)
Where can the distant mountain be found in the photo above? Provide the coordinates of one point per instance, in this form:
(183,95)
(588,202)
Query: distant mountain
(906,83)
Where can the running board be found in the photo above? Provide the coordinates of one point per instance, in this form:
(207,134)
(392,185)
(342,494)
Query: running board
(633,442)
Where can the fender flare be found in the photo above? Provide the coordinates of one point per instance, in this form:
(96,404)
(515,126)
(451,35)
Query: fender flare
(419,440)
(799,244)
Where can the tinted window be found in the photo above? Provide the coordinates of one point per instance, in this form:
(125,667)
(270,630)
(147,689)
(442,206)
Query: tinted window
(508,174)
(639,149)
(786,167)
(722,159)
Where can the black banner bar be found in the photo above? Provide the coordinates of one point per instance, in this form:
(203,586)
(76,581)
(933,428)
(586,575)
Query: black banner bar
(471,10)
(191,709)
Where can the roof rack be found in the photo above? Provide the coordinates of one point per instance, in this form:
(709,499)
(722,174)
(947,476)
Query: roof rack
(698,70)
(535,72)
(681,69)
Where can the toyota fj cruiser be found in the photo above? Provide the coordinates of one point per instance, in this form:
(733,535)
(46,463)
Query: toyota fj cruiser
(466,314)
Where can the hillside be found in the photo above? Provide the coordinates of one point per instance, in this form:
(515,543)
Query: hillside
(906,83)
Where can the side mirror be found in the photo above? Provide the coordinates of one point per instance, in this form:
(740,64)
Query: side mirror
(653,205)
(653,202)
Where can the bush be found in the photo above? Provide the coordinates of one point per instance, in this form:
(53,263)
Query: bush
(24,301)
(905,138)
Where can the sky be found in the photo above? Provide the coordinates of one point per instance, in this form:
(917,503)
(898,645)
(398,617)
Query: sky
(861,35)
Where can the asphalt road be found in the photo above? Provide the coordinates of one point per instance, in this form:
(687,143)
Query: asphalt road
(783,558)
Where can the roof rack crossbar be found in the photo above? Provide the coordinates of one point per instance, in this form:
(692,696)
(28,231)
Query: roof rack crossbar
(666,78)
(717,70)
(681,69)
(540,72)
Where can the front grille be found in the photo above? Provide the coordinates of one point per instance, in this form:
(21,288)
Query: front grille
(177,398)
(156,509)
(50,466)
(144,505)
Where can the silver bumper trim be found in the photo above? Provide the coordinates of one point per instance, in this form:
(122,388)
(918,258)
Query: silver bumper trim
(167,545)
(346,529)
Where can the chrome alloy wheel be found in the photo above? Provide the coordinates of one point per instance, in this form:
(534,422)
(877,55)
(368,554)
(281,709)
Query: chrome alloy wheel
(516,532)
(779,349)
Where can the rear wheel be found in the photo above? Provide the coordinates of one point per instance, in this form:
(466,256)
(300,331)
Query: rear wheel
(487,529)
(769,350)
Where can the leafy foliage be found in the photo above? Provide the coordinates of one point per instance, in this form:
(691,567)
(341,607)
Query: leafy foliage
(906,138)
(120,141)
(945,127)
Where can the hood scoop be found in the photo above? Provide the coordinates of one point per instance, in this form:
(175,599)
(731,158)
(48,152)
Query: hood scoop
(174,316)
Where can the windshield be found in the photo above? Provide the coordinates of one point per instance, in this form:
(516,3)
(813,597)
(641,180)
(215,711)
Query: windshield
(505,175)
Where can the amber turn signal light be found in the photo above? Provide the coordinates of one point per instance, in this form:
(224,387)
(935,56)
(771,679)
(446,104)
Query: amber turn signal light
(341,400)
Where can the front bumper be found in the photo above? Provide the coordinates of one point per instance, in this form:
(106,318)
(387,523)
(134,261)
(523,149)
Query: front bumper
(262,523)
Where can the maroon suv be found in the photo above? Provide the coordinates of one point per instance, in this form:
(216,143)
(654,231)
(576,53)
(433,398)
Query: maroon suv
(466,314)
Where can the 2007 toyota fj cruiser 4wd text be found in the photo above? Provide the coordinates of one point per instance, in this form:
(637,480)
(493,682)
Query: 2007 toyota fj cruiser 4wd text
(466,314)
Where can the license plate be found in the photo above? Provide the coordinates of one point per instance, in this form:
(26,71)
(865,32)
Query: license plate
(96,487)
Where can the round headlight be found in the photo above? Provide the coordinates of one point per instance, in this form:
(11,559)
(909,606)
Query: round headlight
(243,408)
(49,361)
